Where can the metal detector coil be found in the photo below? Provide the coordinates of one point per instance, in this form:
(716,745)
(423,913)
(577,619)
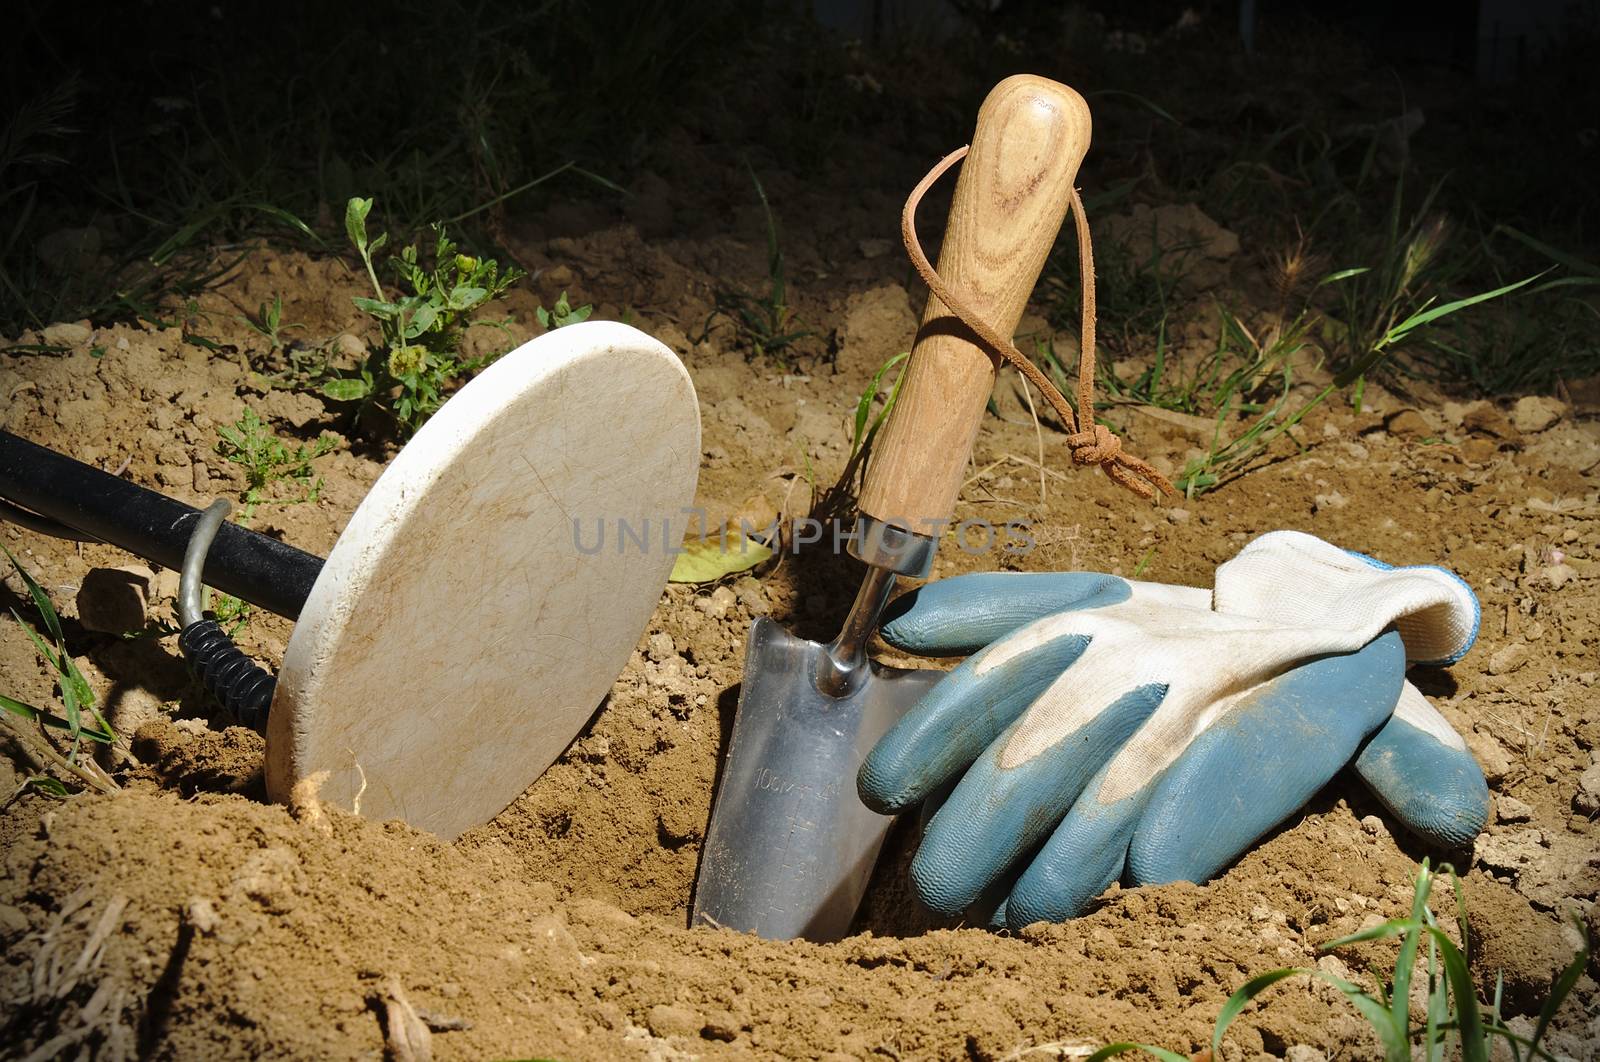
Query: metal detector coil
(461,632)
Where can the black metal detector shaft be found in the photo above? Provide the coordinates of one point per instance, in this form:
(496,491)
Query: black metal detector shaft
(246,564)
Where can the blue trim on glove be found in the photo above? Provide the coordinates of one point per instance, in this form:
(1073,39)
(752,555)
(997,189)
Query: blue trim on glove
(1477,609)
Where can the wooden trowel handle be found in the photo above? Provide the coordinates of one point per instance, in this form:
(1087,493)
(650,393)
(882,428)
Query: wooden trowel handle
(1010,199)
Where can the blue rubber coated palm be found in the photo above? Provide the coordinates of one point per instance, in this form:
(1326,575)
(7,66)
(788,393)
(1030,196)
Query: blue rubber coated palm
(1230,786)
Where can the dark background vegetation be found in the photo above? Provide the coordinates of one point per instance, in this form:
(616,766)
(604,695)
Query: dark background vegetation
(173,128)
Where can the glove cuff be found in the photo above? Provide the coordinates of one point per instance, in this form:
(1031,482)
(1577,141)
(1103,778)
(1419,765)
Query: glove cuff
(1298,579)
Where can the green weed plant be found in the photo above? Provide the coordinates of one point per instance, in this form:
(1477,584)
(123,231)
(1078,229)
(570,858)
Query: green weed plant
(80,719)
(1453,1016)
(765,323)
(418,361)
(267,459)
(563,313)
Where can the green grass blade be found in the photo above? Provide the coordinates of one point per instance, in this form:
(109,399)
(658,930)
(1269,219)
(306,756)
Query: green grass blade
(1555,254)
(1562,988)
(1469,1019)
(51,787)
(55,722)
(1417,320)
(1438,1009)
(1391,928)
(1241,998)
(41,600)
(864,406)
(1396,1042)
(38,642)
(1405,963)
(1566,282)
(1144,101)
(519,189)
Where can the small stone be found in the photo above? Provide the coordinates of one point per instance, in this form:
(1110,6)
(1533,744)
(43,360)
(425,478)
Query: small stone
(1509,852)
(1508,658)
(201,475)
(166,586)
(555,280)
(660,646)
(1373,825)
(1587,799)
(1332,964)
(67,335)
(1485,419)
(1510,809)
(1479,451)
(673,1021)
(751,596)
(115,600)
(1556,575)
(1408,423)
(717,605)
(1178,516)
(1304,1053)
(723,1027)
(201,915)
(13,923)
(820,998)
(1536,413)
(876,320)
(350,346)
(1331,501)
(295,407)
(1490,754)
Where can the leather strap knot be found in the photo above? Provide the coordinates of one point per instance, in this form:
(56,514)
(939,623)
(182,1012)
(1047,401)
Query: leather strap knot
(1095,447)
(1091,443)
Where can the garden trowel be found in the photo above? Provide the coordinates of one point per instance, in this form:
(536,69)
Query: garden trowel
(790,845)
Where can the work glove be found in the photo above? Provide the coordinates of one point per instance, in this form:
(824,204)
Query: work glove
(1109,728)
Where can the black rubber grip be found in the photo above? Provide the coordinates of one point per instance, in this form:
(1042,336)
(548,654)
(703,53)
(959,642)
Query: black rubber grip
(236,681)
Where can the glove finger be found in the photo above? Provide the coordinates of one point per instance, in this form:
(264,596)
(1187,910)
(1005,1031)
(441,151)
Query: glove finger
(964,613)
(1420,769)
(989,909)
(952,725)
(996,814)
(1085,854)
(1262,760)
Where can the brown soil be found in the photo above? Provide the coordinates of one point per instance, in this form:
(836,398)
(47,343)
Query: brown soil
(186,918)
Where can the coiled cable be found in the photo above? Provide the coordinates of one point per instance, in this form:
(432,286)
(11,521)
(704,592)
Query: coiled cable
(237,682)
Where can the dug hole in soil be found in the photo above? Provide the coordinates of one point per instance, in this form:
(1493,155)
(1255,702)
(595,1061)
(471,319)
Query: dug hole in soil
(187,918)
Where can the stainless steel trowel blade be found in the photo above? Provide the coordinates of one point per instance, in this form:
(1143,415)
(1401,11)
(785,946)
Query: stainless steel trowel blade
(791,846)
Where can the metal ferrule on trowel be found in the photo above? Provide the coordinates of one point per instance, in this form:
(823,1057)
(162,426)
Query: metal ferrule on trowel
(790,846)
